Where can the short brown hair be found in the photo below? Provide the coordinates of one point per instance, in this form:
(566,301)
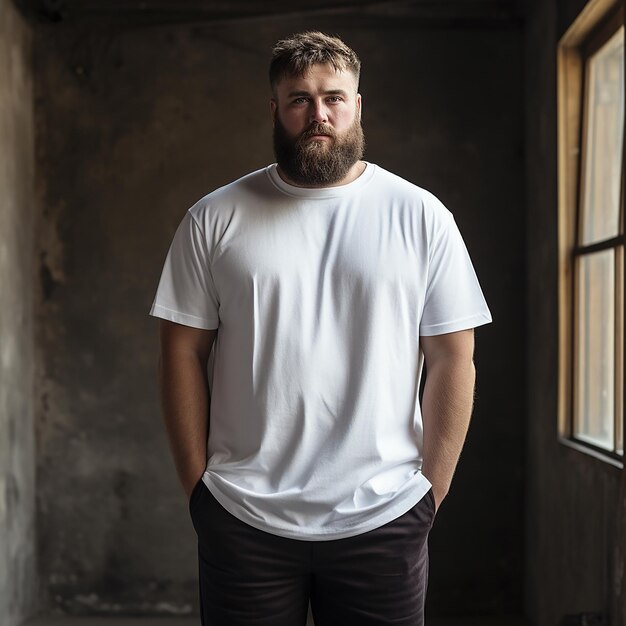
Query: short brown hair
(297,54)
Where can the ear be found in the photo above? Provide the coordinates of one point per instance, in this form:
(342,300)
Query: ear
(273,107)
(358,104)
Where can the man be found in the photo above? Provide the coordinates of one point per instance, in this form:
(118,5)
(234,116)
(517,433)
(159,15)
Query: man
(311,470)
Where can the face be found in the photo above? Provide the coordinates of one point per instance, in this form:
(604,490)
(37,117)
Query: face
(318,137)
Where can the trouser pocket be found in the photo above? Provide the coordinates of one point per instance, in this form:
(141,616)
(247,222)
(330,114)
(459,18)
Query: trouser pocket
(196,491)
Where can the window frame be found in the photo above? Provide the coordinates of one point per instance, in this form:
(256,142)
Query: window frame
(590,31)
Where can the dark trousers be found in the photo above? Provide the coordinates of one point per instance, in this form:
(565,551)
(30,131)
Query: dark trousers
(251,577)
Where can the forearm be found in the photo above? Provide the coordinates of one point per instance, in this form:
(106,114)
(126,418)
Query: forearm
(446,411)
(185,409)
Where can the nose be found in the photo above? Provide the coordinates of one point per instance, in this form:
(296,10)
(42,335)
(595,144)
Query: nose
(319,112)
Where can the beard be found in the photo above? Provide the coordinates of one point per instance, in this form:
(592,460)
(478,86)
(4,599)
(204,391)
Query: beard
(318,163)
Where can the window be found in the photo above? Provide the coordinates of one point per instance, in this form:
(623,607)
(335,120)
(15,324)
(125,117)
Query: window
(591,231)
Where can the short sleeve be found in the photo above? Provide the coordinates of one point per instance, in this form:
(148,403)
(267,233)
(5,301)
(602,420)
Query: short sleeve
(186,293)
(454,300)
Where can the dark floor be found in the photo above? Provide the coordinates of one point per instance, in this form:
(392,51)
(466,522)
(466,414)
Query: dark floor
(166,621)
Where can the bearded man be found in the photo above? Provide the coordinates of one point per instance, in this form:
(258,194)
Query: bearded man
(319,285)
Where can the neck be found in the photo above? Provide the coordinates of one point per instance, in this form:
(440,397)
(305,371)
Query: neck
(353,173)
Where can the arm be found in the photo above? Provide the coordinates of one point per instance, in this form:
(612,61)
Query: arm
(446,405)
(185,396)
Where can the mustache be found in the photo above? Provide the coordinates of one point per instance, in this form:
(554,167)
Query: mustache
(317,129)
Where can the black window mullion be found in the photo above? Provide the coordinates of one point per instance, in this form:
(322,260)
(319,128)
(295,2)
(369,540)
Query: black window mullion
(607,244)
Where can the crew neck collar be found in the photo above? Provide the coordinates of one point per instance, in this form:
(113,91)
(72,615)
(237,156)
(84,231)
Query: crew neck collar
(320,192)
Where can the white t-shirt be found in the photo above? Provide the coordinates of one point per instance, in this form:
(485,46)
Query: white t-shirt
(320,297)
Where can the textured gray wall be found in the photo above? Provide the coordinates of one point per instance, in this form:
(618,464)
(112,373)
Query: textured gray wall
(134,127)
(574,519)
(18,578)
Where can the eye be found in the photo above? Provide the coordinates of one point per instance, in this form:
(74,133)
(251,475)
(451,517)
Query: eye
(335,99)
(300,100)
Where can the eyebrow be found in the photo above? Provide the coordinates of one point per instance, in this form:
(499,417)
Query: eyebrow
(328,92)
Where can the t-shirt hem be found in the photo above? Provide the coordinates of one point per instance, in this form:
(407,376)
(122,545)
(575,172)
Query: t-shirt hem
(186,319)
(407,502)
(450,327)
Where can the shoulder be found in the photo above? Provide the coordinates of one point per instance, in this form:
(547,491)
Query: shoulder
(236,193)
(400,190)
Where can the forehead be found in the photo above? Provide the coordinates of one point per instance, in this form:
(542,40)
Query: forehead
(318,77)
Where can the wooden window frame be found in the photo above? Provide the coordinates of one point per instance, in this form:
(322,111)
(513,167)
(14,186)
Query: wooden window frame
(591,29)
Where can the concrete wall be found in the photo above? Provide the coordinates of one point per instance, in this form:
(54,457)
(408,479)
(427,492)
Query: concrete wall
(17,476)
(575,523)
(135,126)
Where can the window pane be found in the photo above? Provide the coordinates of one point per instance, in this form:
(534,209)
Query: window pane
(603,141)
(595,349)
